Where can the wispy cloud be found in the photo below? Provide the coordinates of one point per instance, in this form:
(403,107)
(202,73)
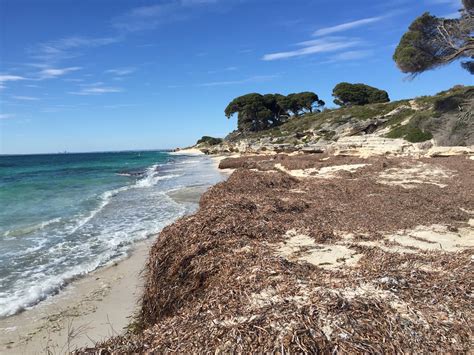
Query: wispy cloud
(350,56)
(7,77)
(322,45)
(252,79)
(222,70)
(121,71)
(56,72)
(25,98)
(68,47)
(150,16)
(4,116)
(147,17)
(96,90)
(347,26)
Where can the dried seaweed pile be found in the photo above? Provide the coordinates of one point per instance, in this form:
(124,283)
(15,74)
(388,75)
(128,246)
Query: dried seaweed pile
(216,281)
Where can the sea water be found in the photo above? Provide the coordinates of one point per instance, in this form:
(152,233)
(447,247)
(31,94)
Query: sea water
(65,215)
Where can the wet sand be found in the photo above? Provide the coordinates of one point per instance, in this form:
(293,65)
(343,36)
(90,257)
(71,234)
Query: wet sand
(90,309)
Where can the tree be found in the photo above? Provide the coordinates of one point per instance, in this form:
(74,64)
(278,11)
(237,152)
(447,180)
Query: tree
(347,94)
(271,102)
(256,112)
(308,101)
(253,115)
(431,42)
(301,102)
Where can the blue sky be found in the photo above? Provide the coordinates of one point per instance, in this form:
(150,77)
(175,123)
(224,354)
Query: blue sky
(98,75)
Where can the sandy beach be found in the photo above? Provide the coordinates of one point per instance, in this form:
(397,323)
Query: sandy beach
(90,309)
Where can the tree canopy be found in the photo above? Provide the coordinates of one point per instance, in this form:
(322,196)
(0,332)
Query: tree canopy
(256,112)
(431,42)
(347,94)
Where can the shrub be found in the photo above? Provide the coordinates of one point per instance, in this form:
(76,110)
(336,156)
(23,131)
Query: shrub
(209,140)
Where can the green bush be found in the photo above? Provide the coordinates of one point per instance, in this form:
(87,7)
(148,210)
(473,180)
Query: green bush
(209,140)
(410,133)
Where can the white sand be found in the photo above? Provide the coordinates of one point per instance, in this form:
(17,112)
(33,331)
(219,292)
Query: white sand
(188,151)
(327,172)
(300,247)
(413,174)
(90,309)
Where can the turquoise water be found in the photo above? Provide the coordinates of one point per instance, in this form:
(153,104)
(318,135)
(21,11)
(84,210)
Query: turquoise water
(65,215)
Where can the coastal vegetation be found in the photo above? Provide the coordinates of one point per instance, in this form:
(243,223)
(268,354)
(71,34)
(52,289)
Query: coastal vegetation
(256,112)
(445,117)
(347,94)
(431,42)
(210,141)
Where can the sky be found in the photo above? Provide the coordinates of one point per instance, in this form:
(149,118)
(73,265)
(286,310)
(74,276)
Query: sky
(108,75)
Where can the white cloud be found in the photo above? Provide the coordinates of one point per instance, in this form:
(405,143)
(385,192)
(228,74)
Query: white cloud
(147,17)
(322,45)
(7,77)
(121,71)
(150,16)
(350,56)
(96,90)
(68,47)
(347,26)
(26,98)
(55,72)
(4,116)
(252,79)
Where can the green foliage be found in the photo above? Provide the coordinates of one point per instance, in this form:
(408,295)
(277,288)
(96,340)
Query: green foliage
(209,140)
(347,94)
(257,112)
(431,42)
(400,117)
(410,133)
(253,114)
(413,131)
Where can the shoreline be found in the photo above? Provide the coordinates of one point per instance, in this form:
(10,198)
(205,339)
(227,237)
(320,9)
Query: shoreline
(91,308)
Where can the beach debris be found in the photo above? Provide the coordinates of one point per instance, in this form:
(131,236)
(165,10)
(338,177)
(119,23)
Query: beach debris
(275,263)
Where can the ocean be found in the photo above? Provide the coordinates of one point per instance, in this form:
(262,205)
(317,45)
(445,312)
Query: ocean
(65,215)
